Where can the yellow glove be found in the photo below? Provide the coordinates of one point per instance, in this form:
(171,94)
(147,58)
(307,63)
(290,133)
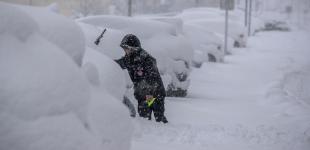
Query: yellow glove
(150,100)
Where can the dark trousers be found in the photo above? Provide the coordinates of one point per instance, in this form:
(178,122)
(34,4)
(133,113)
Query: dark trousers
(158,108)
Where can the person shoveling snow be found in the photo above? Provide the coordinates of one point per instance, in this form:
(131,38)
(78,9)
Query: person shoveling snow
(148,86)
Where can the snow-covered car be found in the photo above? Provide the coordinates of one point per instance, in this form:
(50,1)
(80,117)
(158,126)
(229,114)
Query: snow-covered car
(213,20)
(207,45)
(274,25)
(171,49)
(235,15)
(44,91)
(176,23)
(236,31)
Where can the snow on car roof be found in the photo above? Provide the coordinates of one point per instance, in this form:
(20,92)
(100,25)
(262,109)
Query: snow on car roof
(158,37)
(199,34)
(176,22)
(216,25)
(143,28)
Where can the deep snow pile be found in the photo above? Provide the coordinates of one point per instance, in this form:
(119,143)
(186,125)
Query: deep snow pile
(38,83)
(46,101)
(59,30)
(37,70)
(107,114)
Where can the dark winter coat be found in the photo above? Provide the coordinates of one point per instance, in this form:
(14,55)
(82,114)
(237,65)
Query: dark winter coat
(143,71)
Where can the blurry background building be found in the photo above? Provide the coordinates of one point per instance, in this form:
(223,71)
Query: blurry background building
(296,10)
(118,7)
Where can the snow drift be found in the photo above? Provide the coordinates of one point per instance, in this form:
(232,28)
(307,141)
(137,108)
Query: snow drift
(36,73)
(59,30)
(46,101)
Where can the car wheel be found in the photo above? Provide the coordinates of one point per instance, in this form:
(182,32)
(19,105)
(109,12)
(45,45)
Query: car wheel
(181,76)
(173,91)
(211,58)
(176,92)
(237,44)
(197,64)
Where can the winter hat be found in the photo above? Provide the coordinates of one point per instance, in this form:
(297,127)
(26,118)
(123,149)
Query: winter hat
(130,40)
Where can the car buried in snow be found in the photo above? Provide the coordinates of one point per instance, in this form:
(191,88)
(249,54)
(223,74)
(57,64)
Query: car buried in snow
(171,49)
(274,25)
(236,31)
(213,20)
(208,46)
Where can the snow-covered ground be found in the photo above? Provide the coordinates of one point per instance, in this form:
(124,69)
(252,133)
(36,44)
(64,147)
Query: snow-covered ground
(257,100)
(57,92)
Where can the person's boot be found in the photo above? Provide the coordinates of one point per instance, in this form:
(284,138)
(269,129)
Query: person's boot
(164,119)
(159,117)
(149,115)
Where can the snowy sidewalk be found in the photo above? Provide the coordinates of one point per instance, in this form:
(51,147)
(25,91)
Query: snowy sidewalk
(257,99)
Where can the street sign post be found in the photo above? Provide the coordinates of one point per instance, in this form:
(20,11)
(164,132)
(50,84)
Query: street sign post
(246,13)
(129,8)
(250,17)
(226,5)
